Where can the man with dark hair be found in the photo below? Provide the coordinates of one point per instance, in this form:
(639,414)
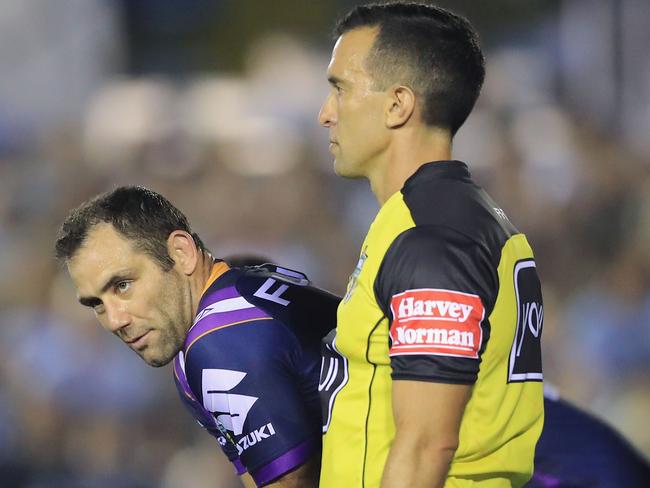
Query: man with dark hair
(245,341)
(438,337)
(139,214)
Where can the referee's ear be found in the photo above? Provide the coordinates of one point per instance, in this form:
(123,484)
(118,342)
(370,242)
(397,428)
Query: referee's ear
(400,106)
(183,250)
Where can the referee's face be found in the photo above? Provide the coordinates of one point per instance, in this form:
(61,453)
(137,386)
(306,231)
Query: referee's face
(354,109)
(132,296)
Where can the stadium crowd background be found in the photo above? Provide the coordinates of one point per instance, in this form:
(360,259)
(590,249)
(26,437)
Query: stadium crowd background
(214,103)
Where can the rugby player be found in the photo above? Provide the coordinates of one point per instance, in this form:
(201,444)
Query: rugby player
(437,346)
(245,342)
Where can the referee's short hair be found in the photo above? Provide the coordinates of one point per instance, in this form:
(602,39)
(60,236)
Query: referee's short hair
(429,49)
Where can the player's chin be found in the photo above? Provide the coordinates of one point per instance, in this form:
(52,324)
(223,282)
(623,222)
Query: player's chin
(156,358)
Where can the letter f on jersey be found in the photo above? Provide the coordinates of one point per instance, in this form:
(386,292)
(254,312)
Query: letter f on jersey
(231,409)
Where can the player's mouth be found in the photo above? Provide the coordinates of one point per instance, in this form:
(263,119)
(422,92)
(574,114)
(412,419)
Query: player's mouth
(138,342)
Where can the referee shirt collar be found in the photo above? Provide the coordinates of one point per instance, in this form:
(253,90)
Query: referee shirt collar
(455,170)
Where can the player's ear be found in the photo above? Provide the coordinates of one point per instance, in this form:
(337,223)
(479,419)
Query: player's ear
(400,106)
(183,250)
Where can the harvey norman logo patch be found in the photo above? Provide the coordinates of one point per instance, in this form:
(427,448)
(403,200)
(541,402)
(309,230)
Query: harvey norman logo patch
(436,321)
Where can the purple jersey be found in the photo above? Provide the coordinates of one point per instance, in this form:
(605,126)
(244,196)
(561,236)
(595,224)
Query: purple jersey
(578,450)
(249,367)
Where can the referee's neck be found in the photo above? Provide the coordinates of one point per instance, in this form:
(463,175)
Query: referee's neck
(406,153)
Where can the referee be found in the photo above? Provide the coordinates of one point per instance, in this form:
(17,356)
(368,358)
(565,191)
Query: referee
(438,377)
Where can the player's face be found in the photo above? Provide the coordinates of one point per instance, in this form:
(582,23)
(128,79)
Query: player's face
(354,110)
(131,295)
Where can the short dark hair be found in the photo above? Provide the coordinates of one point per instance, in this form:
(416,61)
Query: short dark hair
(433,50)
(137,213)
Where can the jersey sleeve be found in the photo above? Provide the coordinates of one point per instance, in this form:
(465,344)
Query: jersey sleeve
(436,286)
(247,376)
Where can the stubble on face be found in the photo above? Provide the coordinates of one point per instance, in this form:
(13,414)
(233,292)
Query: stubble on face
(172,323)
(156,306)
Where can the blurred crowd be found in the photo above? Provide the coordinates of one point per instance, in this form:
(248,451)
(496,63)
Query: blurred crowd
(242,155)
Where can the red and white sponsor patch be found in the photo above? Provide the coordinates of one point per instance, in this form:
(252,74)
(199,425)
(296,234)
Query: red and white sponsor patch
(435,321)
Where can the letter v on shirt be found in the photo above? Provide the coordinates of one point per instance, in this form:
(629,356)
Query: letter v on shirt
(436,321)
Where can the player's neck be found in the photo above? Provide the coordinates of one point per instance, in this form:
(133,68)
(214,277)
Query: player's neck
(406,153)
(207,272)
(210,269)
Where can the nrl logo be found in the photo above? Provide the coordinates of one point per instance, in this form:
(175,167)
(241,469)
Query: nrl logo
(354,277)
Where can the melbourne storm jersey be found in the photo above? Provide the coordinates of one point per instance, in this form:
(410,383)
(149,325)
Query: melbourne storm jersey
(445,290)
(578,450)
(248,370)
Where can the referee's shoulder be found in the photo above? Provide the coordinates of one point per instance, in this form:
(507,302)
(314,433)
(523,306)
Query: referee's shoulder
(462,206)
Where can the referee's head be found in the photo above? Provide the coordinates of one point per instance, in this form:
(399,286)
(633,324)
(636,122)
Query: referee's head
(430,49)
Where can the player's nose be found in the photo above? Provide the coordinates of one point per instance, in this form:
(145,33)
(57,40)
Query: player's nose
(116,317)
(327,115)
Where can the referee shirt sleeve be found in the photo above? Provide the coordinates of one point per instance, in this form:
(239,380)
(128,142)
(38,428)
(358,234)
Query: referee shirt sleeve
(437,287)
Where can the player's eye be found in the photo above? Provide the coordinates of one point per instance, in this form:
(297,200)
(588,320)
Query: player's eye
(122,286)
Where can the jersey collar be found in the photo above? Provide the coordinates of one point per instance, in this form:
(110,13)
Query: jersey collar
(218,269)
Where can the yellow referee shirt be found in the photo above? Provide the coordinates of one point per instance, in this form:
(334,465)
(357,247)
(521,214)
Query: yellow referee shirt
(445,290)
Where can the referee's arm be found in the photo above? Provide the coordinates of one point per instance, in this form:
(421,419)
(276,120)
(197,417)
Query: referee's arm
(427,422)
